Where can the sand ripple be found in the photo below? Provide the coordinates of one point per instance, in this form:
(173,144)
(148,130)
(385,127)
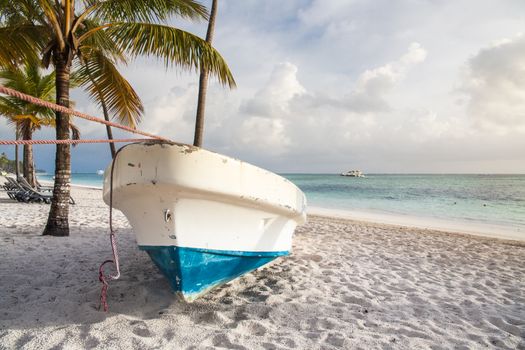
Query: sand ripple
(347,285)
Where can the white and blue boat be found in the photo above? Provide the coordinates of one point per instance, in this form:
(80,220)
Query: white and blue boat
(203,218)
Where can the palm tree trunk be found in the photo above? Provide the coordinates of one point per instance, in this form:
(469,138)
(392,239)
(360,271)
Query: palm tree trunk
(203,83)
(58,219)
(36,184)
(108,128)
(106,115)
(29,166)
(17,165)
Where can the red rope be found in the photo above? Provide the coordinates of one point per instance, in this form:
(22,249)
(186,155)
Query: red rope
(31,99)
(52,142)
(58,108)
(104,291)
(102,277)
(115,261)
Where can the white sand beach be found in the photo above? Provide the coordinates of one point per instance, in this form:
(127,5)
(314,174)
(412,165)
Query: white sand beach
(347,284)
(472,228)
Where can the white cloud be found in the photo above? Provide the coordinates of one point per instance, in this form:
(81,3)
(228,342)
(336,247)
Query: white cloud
(350,93)
(322,12)
(263,135)
(287,126)
(265,116)
(284,118)
(416,54)
(274,98)
(173,115)
(494,84)
(374,84)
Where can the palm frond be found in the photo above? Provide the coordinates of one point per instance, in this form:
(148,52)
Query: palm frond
(104,83)
(14,78)
(28,123)
(147,11)
(8,108)
(12,11)
(26,117)
(20,43)
(15,12)
(46,88)
(100,41)
(175,46)
(28,80)
(75,132)
(4,4)
(53,21)
(32,76)
(25,126)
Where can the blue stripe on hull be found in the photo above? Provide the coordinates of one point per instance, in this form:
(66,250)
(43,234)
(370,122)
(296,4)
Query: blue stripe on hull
(194,271)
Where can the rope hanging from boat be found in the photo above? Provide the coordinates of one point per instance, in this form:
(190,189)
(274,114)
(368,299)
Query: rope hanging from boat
(31,99)
(115,261)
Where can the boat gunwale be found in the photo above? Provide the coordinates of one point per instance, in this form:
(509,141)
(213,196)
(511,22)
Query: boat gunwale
(192,192)
(184,192)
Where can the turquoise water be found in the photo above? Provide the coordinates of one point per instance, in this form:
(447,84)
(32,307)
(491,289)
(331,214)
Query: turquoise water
(489,199)
(92,180)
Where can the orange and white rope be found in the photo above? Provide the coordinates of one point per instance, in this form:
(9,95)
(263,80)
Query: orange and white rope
(58,108)
(68,141)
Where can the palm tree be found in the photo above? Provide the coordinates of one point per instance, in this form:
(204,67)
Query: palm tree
(98,35)
(27,117)
(203,83)
(17,163)
(112,148)
(104,89)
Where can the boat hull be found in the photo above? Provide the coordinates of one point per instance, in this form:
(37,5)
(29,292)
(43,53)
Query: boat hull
(202,228)
(193,272)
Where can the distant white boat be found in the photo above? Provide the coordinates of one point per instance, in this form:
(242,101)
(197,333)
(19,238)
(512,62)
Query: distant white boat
(353,173)
(202,217)
(100,172)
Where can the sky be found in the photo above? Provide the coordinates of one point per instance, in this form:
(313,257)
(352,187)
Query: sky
(325,86)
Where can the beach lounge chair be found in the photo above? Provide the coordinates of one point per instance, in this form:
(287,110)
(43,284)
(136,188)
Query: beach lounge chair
(14,189)
(8,185)
(38,187)
(39,194)
(41,188)
(23,192)
(32,195)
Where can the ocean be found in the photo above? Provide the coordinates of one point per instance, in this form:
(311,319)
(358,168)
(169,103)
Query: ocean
(480,199)
(83,179)
(476,199)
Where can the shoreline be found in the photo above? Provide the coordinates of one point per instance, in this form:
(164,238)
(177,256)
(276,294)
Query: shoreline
(90,187)
(411,221)
(417,222)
